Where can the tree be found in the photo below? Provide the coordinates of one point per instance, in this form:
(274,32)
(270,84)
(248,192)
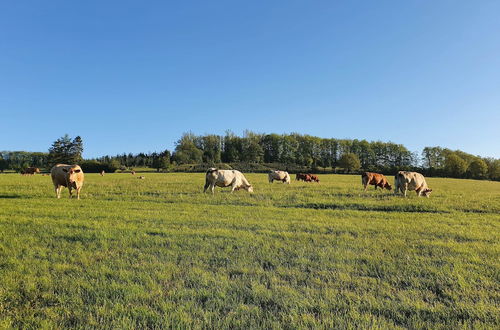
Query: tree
(493,168)
(478,169)
(350,162)
(454,165)
(251,150)
(66,151)
(186,151)
(161,161)
(3,164)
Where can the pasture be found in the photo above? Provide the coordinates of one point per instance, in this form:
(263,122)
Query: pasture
(159,253)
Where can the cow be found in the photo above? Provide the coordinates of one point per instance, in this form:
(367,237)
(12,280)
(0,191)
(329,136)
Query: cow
(70,176)
(225,178)
(142,177)
(306,177)
(279,176)
(30,171)
(301,176)
(102,173)
(376,179)
(314,178)
(132,172)
(404,181)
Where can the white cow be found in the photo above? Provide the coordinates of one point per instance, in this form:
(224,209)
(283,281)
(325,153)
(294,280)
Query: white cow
(279,176)
(404,181)
(226,178)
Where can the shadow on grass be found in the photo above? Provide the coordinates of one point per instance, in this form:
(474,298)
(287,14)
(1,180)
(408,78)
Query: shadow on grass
(9,196)
(377,208)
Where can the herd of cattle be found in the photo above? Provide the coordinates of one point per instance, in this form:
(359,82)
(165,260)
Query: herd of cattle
(72,177)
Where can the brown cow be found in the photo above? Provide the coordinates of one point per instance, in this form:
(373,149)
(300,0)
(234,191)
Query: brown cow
(314,178)
(306,177)
(376,179)
(102,173)
(30,171)
(70,176)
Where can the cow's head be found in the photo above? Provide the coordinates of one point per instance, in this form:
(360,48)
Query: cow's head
(388,186)
(72,174)
(249,188)
(427,192)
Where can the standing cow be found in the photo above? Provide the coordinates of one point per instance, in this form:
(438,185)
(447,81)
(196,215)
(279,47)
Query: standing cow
(226,178)
(70,176)
(376,179)
(279,176)
(102,173)
(404,181)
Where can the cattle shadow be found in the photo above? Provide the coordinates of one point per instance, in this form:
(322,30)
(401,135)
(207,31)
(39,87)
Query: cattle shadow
(373,208)
(10,196)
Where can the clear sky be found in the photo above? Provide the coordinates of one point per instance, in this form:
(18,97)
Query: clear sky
(131,76)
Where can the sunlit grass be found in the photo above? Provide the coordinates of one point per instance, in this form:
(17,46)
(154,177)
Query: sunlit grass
(159,253)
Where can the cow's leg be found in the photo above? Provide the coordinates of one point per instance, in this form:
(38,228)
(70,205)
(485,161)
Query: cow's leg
(78,192)
(58,190)
(405,189)
(70,191)
(207,184)
(212,188)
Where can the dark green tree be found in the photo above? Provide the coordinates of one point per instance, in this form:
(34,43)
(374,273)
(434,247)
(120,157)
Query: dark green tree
(3,164)
(186,151)
(66,151)
(478,169)
(455,166)
(350,162)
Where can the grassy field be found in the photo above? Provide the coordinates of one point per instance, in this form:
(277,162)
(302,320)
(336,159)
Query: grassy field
(159,253)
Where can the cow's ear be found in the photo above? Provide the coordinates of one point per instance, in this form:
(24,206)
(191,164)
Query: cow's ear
(65,170)
(78,171)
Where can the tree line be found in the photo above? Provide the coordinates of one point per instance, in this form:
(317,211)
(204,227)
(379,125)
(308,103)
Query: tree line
(285,151)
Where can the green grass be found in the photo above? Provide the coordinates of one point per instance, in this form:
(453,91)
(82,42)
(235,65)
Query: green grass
(159,253)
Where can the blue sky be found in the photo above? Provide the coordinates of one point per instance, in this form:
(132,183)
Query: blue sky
(131,76)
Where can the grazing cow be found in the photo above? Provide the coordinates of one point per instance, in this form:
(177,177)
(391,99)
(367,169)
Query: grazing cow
(30,171)
(70,176)
(376,179)
(226,178)
(142,177)
(279,176)
(404,181)
(306,177)
(132,172)
(314,178)
(301,176)
(102,173)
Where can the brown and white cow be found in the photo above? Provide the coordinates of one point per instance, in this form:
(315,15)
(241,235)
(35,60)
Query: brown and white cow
(376,179)
(69,176)
(404,181)
(225,178)
(279,176)
(102,173)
